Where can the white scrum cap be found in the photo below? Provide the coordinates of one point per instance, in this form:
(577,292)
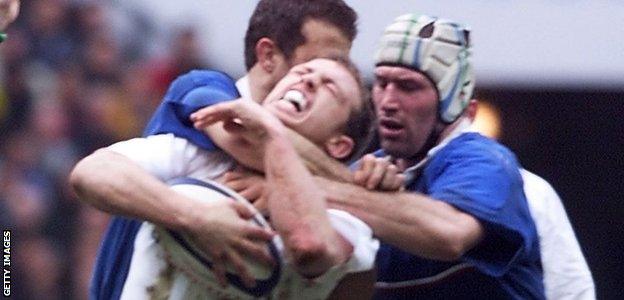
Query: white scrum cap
(438,48)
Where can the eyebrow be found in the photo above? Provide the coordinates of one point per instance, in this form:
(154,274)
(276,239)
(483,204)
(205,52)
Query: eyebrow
(337,91)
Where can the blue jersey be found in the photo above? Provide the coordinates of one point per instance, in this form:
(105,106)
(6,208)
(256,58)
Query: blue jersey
(186,94)
(480,177)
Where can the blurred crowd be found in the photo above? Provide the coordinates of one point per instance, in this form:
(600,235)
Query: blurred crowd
(75,76)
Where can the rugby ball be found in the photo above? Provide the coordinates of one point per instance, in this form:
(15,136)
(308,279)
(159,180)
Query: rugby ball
(182,254)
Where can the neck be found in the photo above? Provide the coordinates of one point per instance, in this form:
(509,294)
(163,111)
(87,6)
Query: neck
(439,135)
(260,83)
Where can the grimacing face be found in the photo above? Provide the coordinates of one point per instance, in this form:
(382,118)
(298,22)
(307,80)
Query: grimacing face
(406,104)
(315,99)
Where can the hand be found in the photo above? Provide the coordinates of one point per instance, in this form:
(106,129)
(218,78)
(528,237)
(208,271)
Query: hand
(9,9)
(240,117)
(222,231)
(250,185)
(378,173)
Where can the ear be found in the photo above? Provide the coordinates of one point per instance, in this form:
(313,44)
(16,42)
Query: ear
(267,54)
(339,147)
(471,109)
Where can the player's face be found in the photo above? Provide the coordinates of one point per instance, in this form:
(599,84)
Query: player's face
(315,99)
(406,106)
(322,39)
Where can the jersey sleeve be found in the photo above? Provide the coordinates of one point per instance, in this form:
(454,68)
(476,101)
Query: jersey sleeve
(360,236)
(485,183)
(163,155)
(187,94)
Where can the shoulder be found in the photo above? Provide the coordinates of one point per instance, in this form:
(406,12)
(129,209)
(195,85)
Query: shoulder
(470,149)
(201,78)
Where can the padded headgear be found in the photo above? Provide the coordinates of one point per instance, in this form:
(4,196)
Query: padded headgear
(438,48)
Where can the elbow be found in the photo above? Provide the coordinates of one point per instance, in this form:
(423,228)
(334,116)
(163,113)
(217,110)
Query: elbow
(83,175)
(452,250)
(459,240)
(309,255)
(77,177)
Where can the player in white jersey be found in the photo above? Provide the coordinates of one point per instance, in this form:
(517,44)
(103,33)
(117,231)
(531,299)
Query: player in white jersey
(316,99)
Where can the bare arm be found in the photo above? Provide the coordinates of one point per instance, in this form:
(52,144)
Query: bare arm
(317,161)
(298,211)
(115,184)
(236,147)
(297,208)
(411,221)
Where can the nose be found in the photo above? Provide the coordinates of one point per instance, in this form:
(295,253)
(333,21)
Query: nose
(387,98)
(311,80)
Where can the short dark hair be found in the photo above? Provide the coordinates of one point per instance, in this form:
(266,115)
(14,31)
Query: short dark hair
(360,125)
(282,20)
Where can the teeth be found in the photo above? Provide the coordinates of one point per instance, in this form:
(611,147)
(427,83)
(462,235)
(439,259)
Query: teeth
(296,98)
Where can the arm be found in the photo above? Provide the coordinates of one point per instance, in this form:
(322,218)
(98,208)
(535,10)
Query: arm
(113,183)
(298,211)
(411,221)
(317,161)
(297,208)
(236,147)
(116,184)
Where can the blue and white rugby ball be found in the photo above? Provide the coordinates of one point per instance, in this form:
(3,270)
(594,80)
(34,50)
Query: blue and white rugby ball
(185,256)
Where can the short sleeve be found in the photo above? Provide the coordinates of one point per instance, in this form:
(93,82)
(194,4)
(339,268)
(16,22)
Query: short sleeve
(484,181)
(163,156)
(187,94)
(360,236)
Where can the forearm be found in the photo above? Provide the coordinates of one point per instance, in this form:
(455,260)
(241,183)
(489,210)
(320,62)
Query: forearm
(236,147)
(114,184)
(298,211)
(411,221)
(316,161)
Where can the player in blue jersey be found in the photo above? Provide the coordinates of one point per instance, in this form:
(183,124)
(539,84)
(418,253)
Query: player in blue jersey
(462,228)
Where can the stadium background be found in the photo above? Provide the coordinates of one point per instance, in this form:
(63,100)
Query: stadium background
(81,74)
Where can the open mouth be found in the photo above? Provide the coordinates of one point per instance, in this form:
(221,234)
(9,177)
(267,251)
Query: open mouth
(391,124)
(390,127)
(297,99)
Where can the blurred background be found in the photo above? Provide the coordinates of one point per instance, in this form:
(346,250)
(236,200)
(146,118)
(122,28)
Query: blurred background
(77,75)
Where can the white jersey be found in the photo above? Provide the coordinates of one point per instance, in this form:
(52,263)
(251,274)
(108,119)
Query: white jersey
(566,274)
(168,157)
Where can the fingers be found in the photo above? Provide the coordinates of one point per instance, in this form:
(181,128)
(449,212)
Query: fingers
(367,163)
(256,251)
(241,269)
(209,115)
(247,184)
(218,266)
(389,181)
(378,172)
(258,233)
(243,210)
(262,205)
